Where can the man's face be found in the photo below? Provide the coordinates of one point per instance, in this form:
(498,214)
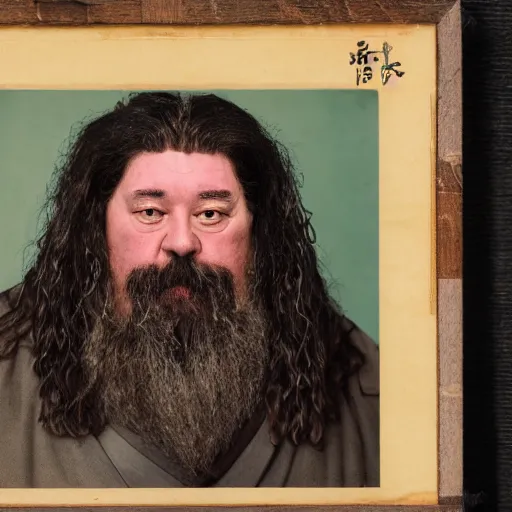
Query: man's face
(173,203)
(183,320)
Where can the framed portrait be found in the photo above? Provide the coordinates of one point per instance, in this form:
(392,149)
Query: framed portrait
(365,100)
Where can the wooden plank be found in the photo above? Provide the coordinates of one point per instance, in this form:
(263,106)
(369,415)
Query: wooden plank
(155,11)
(449,253)
(449,218)
(58,14)
(449,147)
(17,12)
(191,12)
(127,11)
(450,387)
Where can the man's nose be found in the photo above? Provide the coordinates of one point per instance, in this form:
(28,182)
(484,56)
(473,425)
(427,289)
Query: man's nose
(180,238)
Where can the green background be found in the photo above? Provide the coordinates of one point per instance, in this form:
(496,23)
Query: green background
(332,136)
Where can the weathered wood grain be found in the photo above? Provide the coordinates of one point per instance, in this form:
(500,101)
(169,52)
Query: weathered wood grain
(449,252)
(449,147)
(127,11)
(449,217)
(450,387)
(192,12)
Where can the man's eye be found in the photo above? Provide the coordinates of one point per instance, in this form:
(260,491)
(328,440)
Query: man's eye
(210,216)
(149,215)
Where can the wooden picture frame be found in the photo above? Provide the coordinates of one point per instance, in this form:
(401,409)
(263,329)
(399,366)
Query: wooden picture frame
(443,16)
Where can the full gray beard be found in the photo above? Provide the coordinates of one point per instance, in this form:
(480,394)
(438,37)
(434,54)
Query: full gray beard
(183,386)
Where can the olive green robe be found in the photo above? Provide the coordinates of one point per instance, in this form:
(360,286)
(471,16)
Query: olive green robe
(31,457)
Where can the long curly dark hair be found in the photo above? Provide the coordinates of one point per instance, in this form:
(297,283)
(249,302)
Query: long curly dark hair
(66,287)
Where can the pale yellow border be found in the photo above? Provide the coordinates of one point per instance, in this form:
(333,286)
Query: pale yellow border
(290,57)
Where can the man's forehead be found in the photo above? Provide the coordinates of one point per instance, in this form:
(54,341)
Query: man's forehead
(180,163)
(160,174)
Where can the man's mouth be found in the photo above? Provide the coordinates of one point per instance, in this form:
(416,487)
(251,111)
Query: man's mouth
(179,292)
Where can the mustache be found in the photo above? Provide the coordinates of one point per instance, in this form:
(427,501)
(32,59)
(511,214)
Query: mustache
(151,282)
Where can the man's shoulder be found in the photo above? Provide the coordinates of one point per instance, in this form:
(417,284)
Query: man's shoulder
(18,381)
(364,407)
(9,297)
(369,373)
(9,300)
(16,370)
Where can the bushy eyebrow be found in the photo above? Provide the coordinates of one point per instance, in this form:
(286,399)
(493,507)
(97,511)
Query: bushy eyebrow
(152,192)
(222,195)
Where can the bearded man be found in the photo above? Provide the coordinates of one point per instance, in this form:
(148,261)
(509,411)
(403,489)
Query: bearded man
(174,329)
